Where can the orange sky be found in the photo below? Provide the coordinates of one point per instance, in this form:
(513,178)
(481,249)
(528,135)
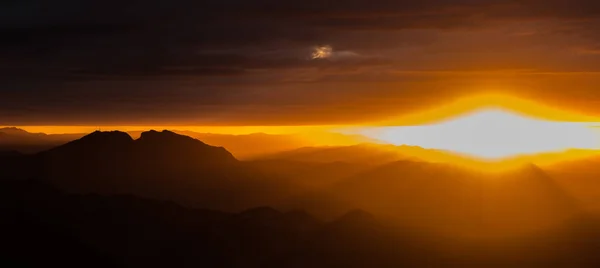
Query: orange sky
(446,110)
(451,108)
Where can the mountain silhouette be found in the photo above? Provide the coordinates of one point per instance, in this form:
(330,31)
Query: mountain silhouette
(444,198)
(162,165)
(579,178)
(259,145)
(154,141)
(249,145)
(527,199)
(170,166)
(16,139)
(166,199)
(18,131)
(167,143)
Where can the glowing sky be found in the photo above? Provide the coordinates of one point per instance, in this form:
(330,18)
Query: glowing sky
(493,134)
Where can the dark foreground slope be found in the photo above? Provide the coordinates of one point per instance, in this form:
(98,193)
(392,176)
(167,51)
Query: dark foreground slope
(42,226)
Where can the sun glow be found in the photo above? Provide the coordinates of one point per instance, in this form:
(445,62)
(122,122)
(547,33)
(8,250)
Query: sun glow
(492,134)
(448,110)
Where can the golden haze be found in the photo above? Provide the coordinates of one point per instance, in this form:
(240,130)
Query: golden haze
(321,135)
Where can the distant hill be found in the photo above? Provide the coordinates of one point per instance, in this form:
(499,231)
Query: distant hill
(16,139)
(242,146)
(444,198)
(441,196)
(580,178)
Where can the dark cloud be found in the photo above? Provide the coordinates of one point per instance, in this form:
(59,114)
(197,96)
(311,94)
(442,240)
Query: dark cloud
(205,61)
(153,37)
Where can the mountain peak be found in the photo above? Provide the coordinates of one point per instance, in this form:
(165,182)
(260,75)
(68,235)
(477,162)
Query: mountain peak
(95,145)
(101,140)
(165,135)
(166,142)
(11,129)
(17,131)
(107,136)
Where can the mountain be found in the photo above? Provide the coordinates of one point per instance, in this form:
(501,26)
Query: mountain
(373,154)
(258,145)
(244,146)
(162,165)
(327,181)
(444,198)
(18,132)
(250,145)
(166,199)
(13,134)
(16,139)
(400,182)
(526,199)
(580,178)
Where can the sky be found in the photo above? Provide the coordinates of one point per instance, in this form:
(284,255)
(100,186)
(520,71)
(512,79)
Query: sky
(252,62)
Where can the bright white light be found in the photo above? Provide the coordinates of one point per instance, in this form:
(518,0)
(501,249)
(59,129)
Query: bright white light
(492,134)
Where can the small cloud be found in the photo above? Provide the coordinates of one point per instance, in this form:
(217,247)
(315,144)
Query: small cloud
(327,52)
(321,52)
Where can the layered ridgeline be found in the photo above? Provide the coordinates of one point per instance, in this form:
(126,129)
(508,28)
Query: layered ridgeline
(19,140)
(326,181)
(243,146)
(44,225)
(166,199)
